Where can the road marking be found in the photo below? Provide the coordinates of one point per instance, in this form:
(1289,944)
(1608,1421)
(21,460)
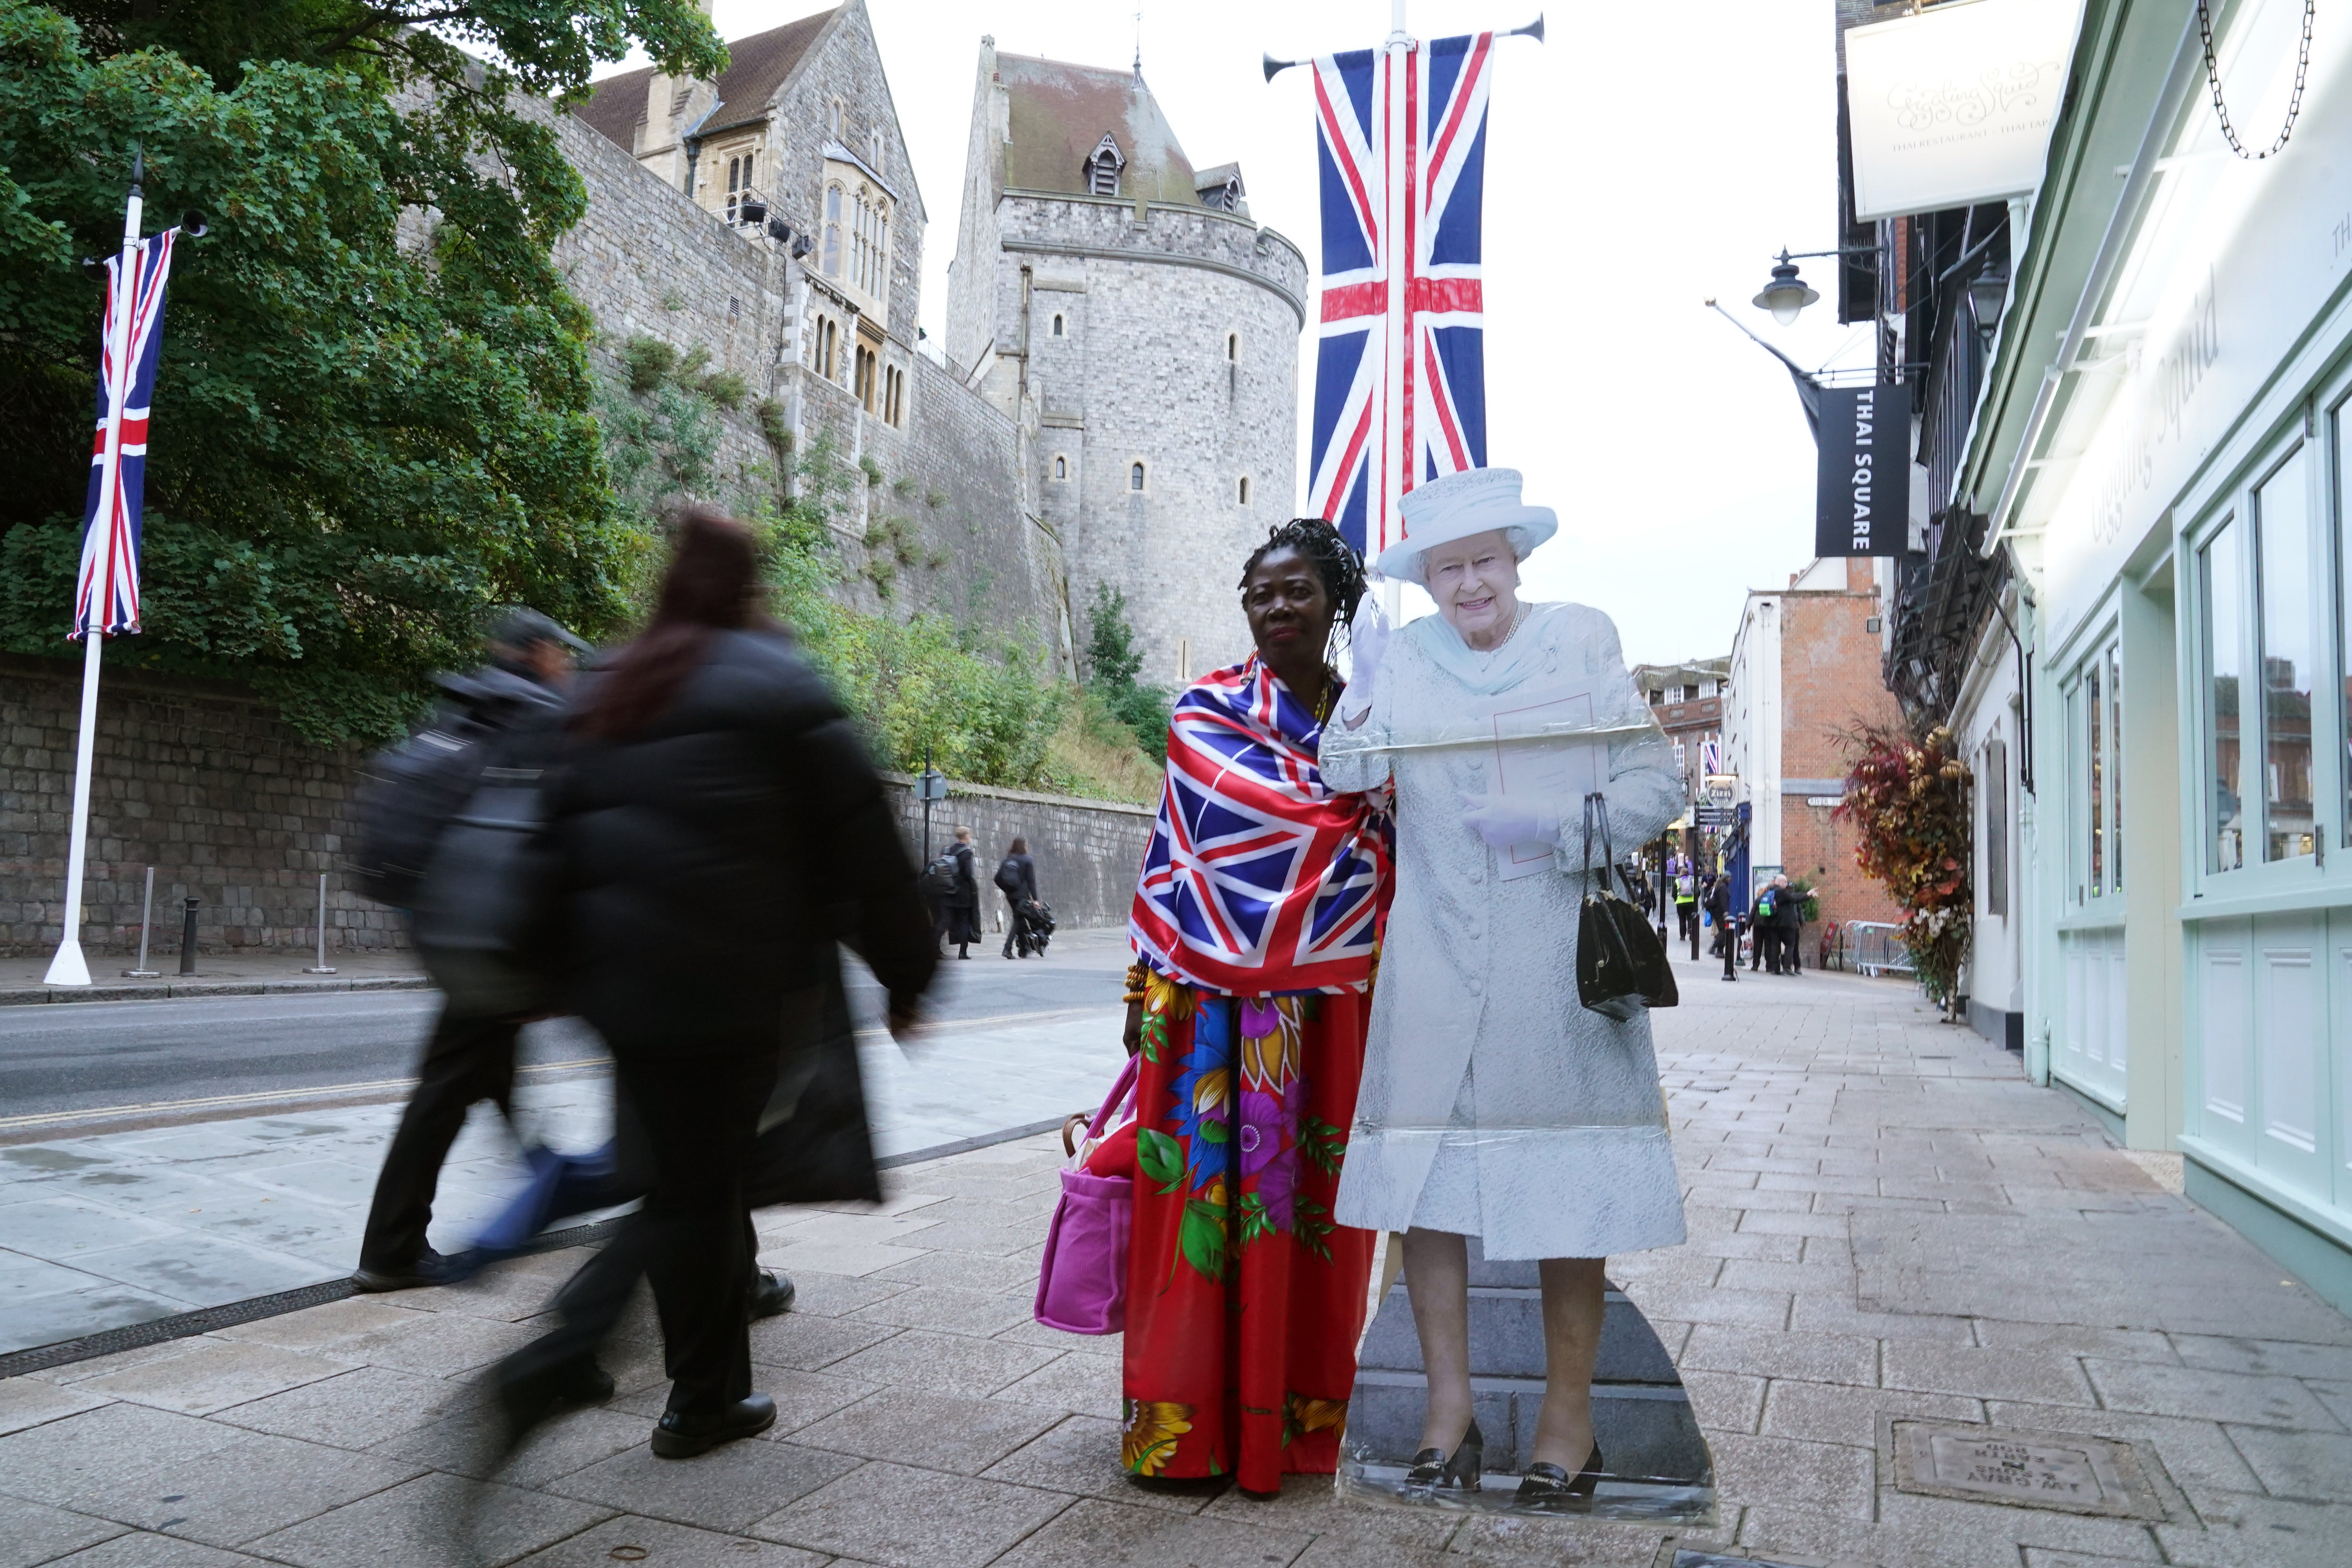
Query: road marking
(332,1090)
(259,1097)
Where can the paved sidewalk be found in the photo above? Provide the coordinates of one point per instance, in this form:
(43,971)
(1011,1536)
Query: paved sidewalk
(113,1229)
(1889,1226)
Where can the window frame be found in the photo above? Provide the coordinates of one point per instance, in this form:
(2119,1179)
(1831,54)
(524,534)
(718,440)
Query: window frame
(2321,445)
(1138,477)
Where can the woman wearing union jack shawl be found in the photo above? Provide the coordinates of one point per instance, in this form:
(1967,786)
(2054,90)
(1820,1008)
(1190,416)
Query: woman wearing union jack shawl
(1254,916)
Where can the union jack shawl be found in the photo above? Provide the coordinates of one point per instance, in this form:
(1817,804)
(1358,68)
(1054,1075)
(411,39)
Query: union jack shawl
(1438,265)
(1258,879)
(118,479)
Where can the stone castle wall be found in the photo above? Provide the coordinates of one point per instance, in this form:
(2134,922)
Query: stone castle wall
(1088,852)
(201,780)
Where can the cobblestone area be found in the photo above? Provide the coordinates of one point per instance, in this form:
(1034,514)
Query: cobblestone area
(1887,1224)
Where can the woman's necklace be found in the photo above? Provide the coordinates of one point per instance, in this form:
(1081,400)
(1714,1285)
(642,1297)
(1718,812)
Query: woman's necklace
(1518,619)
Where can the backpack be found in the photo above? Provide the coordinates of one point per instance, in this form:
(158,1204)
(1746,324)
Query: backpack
(408,794)
(938,879)
(1764,907)
(1008,877)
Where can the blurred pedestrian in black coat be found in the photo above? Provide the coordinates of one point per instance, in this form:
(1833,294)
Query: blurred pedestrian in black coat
(959,918)
(720,830)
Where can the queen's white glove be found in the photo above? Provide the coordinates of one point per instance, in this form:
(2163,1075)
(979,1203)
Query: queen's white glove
(1368,641)
(1503,822)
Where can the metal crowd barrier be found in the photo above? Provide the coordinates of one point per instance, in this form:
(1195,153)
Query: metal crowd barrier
(1872,947)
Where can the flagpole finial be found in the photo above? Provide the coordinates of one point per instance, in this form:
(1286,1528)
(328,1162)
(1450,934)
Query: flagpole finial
(138,168)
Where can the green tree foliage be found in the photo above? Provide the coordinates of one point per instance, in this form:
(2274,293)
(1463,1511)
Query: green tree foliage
(375,414)
(1113,662)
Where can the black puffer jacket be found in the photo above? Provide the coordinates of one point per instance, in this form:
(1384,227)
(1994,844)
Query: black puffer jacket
(713,860)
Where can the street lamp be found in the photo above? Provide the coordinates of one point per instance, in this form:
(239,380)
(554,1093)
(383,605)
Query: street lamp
(1786,294)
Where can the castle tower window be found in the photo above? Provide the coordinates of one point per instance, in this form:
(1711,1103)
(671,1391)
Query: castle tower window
(1060,468)
(874,147)
(836,117)
(1102,165)
(832,229)
(1233,347)
(739,183)
(1057,327)
(1135,477)
(1243,497)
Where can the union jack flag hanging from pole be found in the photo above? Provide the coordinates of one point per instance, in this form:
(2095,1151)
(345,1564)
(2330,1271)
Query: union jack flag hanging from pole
(1258,877)
(1442,427)
(110,522)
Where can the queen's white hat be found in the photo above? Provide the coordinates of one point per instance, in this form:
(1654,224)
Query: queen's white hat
(1475,501)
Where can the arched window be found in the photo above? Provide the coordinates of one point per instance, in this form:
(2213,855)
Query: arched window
(836,117)
(833,231)
(1057,326)
(1233,347)
(1102,165)
(1060,468)
(1243,497)
(1135,477)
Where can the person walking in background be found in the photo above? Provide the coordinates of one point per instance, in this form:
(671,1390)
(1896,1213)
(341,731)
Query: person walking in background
(1245,1301)
(1718,905)
(514,705)
(1764,953)
(958,910)
(719,830)
(1016,879)
(1686,879)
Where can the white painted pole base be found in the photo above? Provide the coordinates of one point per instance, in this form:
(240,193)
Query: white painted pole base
(68,968)
(321,966)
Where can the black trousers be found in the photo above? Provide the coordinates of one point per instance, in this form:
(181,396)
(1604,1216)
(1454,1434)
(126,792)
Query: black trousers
(467,1059)
(693,1239)
(1687,917)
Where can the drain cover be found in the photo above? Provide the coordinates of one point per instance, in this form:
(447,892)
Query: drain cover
(2061,1470)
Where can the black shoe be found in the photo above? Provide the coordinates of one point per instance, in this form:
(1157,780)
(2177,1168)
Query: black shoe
(429,1268)
(771,1293)
(1547,1488)
(679,1436)
(1434,1471)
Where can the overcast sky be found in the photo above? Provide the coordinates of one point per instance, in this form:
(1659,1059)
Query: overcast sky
(1646,157)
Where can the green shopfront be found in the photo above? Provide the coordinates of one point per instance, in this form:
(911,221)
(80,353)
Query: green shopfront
(2165,444)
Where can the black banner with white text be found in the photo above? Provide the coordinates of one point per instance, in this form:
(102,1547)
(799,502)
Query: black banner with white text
(1861,502)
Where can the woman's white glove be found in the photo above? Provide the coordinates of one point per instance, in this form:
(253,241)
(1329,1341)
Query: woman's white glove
(1368,640)
(1503,822)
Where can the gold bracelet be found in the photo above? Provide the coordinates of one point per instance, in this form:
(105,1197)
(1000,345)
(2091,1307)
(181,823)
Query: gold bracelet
(1138,977)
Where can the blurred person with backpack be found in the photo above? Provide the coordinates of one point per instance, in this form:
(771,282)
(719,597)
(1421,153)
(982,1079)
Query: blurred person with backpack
(442,812)
(719,831)
(1016,879)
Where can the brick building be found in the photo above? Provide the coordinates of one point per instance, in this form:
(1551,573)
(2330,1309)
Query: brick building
(1687,701)
(1805,669)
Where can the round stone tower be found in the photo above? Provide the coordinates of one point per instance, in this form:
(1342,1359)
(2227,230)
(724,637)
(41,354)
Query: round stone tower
(1126,306)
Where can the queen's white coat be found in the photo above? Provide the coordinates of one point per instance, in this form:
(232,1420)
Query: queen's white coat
(1493,1103)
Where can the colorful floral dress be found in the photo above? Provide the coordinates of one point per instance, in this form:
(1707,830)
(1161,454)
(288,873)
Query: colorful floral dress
(1256,918)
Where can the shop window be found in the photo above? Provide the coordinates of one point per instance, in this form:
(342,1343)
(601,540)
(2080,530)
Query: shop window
(2095,806)
(2283,589)
(2221,583)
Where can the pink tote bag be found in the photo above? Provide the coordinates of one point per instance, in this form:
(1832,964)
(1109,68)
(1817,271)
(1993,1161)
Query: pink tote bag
(1082,1282)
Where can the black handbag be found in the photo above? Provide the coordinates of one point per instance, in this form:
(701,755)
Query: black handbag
(1621,965)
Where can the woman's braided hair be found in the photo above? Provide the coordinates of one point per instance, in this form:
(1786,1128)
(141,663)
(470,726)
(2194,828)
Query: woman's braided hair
(1336,562)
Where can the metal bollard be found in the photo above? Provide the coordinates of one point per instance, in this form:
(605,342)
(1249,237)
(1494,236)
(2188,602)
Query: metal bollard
(321,967)
(188,937)
(146,918)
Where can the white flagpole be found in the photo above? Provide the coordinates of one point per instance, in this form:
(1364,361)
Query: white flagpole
(1396,139)
(68,968)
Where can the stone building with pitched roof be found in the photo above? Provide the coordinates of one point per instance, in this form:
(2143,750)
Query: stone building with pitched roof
(1125,301)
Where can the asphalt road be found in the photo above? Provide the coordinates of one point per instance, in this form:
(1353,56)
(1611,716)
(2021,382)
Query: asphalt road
(85,1056)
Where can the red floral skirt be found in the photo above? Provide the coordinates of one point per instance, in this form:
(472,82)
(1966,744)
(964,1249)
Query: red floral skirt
(1245,1301)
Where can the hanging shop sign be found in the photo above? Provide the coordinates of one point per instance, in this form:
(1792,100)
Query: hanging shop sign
(1861,499)
(1954,106)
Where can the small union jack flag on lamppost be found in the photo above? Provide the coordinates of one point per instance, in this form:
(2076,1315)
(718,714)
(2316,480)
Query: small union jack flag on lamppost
(106,589)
